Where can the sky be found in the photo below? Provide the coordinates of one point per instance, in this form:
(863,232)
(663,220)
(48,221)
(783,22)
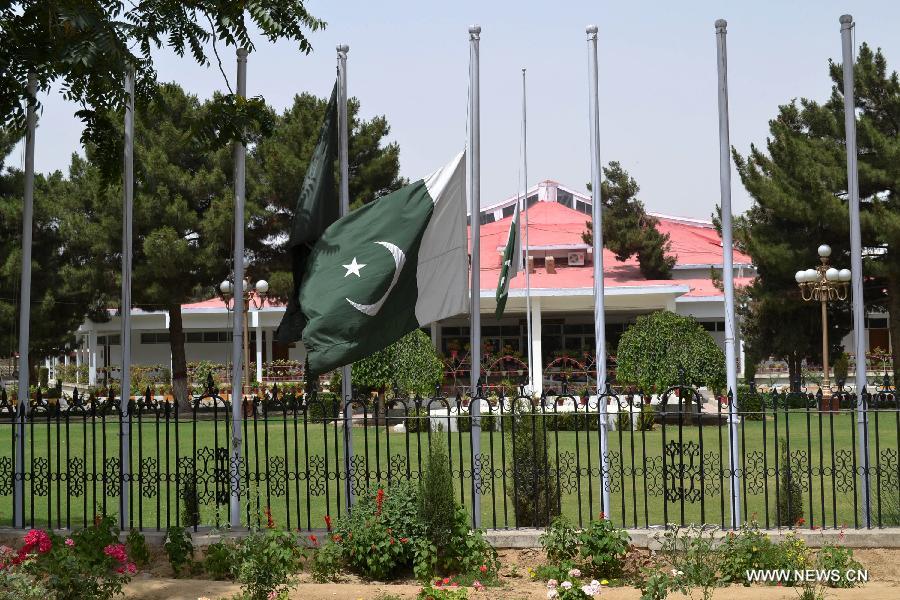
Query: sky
(408,60)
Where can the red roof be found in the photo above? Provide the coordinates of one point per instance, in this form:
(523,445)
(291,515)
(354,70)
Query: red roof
(552,224)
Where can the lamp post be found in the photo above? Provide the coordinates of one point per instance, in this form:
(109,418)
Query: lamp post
(258,300)
(824,284)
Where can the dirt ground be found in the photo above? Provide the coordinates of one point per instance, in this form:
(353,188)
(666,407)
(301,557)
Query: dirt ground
(157,583)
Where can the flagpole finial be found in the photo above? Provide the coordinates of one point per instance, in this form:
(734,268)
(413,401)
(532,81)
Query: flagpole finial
(846,19)
(242,53)
(721,24)
(474,31)
(591,30)
(343,48)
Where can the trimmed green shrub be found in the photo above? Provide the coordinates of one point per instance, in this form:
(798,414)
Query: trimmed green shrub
(790,494)
(437,505)
(534,492)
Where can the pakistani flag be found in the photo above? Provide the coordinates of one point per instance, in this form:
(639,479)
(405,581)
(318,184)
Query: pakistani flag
(394,265)
(317,208)
(512,258)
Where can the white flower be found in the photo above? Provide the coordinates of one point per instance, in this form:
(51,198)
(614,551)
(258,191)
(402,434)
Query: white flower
(551,585)
(595,584)
(574,573)
(587,591)
(567,585)
(551,594)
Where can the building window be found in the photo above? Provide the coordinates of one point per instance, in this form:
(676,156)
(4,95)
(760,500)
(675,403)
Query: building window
(112,340)
(876,323)
(532,200)
(487,218)
(509,210)
(565,198)
(583,207)
(155,338)
(713,325)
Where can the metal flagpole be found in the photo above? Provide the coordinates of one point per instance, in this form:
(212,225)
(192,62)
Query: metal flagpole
(597,232)
(475,307)
(728,269)
(531,381)
(237,331)
(856,268)
(344,191)
(127,218)
(25,306)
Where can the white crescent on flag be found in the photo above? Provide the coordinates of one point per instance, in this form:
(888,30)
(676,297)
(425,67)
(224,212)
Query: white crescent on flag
(399,261)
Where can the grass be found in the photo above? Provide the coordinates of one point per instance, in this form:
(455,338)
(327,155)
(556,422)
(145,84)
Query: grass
(823,448)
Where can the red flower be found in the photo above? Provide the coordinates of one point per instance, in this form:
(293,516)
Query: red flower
(483,568)
(116,551)
(270,522)
(328,522)
(602,515)
(800,521)
(404,540)
(336,538)
(379,500)
(446,580)
(314,540)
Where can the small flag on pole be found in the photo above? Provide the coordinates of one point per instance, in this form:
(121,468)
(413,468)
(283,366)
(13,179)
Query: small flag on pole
(317,208)
(387,268)
(512,262)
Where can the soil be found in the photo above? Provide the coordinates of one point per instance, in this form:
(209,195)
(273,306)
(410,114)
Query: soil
(157,583)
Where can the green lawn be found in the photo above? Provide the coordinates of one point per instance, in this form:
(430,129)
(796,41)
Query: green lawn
(823,452)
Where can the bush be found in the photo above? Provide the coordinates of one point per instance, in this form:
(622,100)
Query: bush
(136,546)
(437,506)
(750,403)
(603,547)
(534,491)
(694,561)
(377,538)
(655,351)
(90,564)
(840,559)
(267,560)
(222,560)
(644,421)
(790,494)
(488,422)
(417,419)
(467,553)
(18,584)
(326,562)
(44,377)
(324,407)
(190,503)
(560,540)
(748,549)
(179,549)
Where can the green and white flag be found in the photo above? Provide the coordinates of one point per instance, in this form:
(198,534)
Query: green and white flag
(387,268)
(512,262)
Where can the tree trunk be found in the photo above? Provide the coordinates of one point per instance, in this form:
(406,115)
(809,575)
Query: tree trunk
(894,320)
(179,362)
(794,371)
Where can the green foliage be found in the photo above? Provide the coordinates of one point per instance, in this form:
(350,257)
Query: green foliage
(628,229)
(439,590)
(841,367)
(417,419)
(488,422)
(222,560)
(437,504)
(832,557)
(44,377)
(745,550)
(467,553)
(750,403)
(17,583)
(534,492)
(190,503)
(268,558)
(411,363)
(790,493)
(179,549)
(603,547)
(560,540)
(326,562)
(655,585)
(694,560)
(136,546)
(654,350)
(377,538)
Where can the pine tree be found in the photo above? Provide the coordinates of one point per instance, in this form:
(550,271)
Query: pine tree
(628,229)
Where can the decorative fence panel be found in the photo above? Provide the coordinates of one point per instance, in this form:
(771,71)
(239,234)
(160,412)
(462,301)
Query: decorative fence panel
(799,461)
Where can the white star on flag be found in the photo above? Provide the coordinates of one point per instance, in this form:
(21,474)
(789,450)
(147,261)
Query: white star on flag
(353,268)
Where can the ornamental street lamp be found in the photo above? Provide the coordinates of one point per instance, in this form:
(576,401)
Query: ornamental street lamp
(258,300)
(824,284)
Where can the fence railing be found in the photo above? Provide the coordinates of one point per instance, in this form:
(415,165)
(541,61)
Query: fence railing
(799,460)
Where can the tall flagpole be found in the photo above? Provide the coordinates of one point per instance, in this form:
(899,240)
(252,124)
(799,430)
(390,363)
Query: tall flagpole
(25,305)
(475,307)
(237,332)
(531,381)
(127,250)
(856,268)
(344,193)
(597,233)
(728,269)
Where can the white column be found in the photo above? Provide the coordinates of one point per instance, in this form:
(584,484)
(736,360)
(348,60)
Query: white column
(270,333)
(436,336)
(78,351)
(537,371)
(259,347)
(92,357)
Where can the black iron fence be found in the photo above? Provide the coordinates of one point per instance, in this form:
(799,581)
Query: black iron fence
(800,460)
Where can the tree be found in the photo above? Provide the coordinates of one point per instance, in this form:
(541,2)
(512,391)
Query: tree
(411,363)
(86,47)
(628,229)
(65,281)
(275,174)
(799,187)
(183,210)
(662,349)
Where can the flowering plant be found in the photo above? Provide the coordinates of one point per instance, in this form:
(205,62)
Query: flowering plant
(443,589)
(572,588)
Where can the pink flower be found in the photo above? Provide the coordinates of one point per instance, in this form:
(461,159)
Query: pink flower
(478,586)
(131,568)
(551,585)
(483,568)
(272,595)
(567,585)
(70,542)
(116,551)
(37,538)
(574,573)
